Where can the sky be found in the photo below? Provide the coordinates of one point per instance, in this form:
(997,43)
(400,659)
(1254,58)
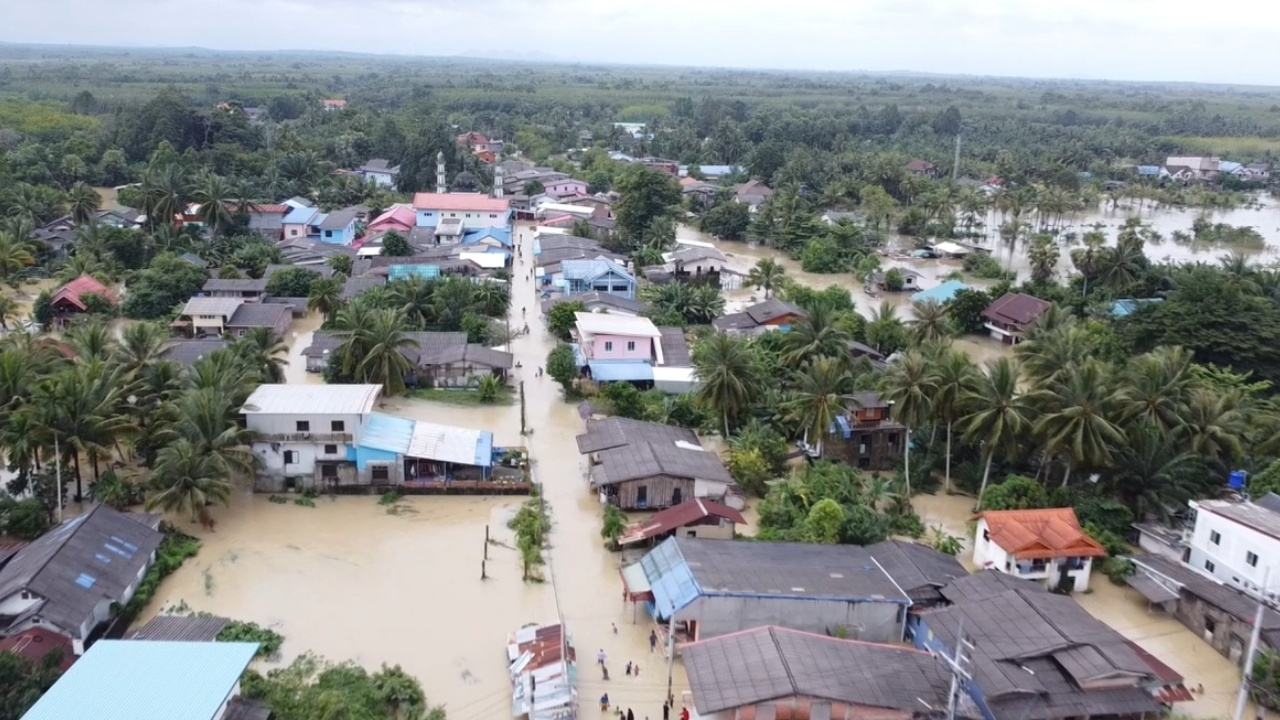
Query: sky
(1224,41)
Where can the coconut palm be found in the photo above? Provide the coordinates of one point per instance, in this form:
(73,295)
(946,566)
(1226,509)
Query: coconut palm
(261,351)
(1152,475)
(1214,424)
(820,387)
(909,387)
(80,406)
(931,323)
(1157,388)
(729,376)
(385,343)
(326,296)
(1047,352)
(999,417)
(84,202)
(767,275)
(186,480)
(492,298)
(14,256)
(141,344)
(348,321)
(10,311)
(209,420)
(1088,259)
(818,334)
(91,342)
(954,380)
(164,194)
(215,198)
(1043,256)
(1079,419)
(487,386)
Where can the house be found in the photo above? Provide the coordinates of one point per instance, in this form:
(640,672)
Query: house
(775,672)
(910,280)
(381,172)
(691,518)
(715,172)
(70,299)
(68,579)
(922,167)
(1220,614)
(1258,171)
(709,588)
(353,287)
(1237,541)
(670,167)
(248,316)
(1181,173)
(752,193)
(772,314)
(300,222)
(692,262)
(1148,171)
(333,104)
(266,219)
(1227,167)
(338,227)
(704,192)
(189,352)
(488,157)
(865,434)
(127,680)
(247,289)
(595,301)
(1201,167)
(473,210)
(307,431)
(194,260)
(543,663)
(598,275)
(207,316)
(1044,545)
(941,294)
(873,356)
(462,365)
(1035,655)
(565,187)
(1009,317)
(309,252)
(604,339)
(640,465)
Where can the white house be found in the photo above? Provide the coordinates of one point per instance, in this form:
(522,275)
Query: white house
(1237,542)
(380,171)
(308,432)
(1046,546)
(472,210)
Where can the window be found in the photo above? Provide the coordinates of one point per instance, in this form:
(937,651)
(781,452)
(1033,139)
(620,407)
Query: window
(1215,537)
(1209,624)
(381,472)
(338,426)
(304,426)
(631,345)
(493,216)
(328,471)
(290,457)
(986,535)
(330,449)
(1251,558)
(608,346)
(1208,565)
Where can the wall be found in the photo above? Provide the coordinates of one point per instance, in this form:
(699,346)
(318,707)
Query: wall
(643,347)
(295,230)
(222,709)
(1228,635)
(871,621)
(15,605)
(986,551)
(1229,554)
(711,489)
(987,554)
(308,453)
(380,179)
(431,218)
(660,489)
(339,237)
(268,424)
(883,449)
(566,187)
(207,323)
(719,530)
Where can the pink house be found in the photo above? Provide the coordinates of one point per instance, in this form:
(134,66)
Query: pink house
(565,187)
(398,218)
(604,336)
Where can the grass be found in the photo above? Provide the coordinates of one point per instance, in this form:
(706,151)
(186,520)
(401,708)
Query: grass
(462,396)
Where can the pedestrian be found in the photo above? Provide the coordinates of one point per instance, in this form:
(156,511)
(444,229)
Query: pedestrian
(604,702)
(628,668)
(615,625)
(630,715)
(666,710)
(636,670)
(601,657)
(653,640)
(684,713)
(605,670)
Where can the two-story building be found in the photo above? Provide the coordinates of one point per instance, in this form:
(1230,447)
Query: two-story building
(614,338)
(338,227)
(379,171)
(1046,546)
(301,221)
(305,435)
(1008,318)
(473,210)
(1238,542)
(68,579)
(595,275)
(564,187)
(864,435)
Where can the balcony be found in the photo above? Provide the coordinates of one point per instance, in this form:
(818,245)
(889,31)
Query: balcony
(307,437)
(1030,570)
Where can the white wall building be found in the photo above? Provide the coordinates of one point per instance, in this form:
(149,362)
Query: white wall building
(1237,542)
(1046,546)
(308,429)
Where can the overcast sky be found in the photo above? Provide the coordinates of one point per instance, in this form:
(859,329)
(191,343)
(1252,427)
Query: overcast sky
(1176,40)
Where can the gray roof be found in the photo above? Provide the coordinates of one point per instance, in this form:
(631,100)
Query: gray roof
(322,343)
(224,307)
(831,571)
(354,286)
(321,270)
(77,565)
(595,297)
(1230,600)
(614,432)
(773,663)
(734,321)
(918,569)
(1253,515)
(471,353)
(235,285)
(187,352)
(675,349)
(1270,501)
(1016,625)
(690,253)
(757,315)
(643,460)
(251,315)
(339,219)
(379,165)
(186,628)
(297,305)
(194,259)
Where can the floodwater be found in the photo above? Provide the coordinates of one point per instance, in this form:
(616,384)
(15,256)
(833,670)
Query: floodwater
(350,581)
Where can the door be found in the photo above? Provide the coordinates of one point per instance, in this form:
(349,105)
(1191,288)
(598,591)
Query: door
(642,496)
(676,497)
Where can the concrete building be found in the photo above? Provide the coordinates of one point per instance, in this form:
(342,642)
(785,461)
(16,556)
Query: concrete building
(1046,546)
(309,432)
(471,209)
(380,171)
(1237,542)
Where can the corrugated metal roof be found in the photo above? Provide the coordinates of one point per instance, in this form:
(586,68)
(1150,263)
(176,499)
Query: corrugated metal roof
(387,432)
(190,628)
(606,324)
(127,680)
(312,399)
(621,371)
(940,294)
(451,444)
(222,307)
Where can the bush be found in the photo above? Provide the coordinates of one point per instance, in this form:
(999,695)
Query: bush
(1105,514)
(175,549)
(1117,569)
(984,266)
(25,519)
(268,640)
(561,318)
(893,280)
(750,470)
(292,282)
(95,304)
(1015,493)
(1111,542)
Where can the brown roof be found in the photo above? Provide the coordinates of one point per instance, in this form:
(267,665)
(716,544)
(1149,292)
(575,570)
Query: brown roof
(1040,534)
(677,516)
(34,643)
(1016,309)
(74,292)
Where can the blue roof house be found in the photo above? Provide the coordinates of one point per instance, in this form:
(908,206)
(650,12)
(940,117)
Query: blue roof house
(1149,171)
(494,237)
(942,294)
(598,275)
(148,680)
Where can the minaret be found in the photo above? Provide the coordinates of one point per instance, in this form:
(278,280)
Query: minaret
(497,180)
(441,181)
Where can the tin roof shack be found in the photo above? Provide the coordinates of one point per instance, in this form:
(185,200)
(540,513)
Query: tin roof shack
(691,518)
(67,579)
(707,588)
(772,314)
(1035,655)
(543,669)
(127,680)
(865,435)
(774,672)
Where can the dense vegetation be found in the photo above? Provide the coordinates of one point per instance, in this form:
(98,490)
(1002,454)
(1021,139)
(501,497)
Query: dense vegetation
(309,684)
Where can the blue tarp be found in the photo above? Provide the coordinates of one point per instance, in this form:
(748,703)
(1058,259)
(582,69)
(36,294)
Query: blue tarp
(944,293)
(670,578)
(843,423)
(621,371)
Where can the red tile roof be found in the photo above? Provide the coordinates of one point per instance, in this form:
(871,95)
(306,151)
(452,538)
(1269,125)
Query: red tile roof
(459,202)
(677,516)
(34,643)
(399,216)
(1040,534)
(83,285)
(1016,309)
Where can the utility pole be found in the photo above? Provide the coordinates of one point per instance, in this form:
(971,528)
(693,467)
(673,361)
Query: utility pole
(1243,699)
(955,166)
(671,656)
(956,664)
(57,469)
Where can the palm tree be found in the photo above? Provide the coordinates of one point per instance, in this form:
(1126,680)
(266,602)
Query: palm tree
(1043,256)
(1157,388)
(14,256)
(819,396)
(209,420)
(1152,475)
(488,387)
(214,195)
(80,406)
(384,361)
(729,376)
(10,311)
(818,334)
(1047,352)
(260,350)
(1087,259)
(349,321)
(954,380)
(1214,424)
(767,275)
(931,323)
(186,480)
(141,344)
(84,202)
(326,296)
(999,415)
(909,387)
(164,195)
(493,298)
(1079,419)
(91,342)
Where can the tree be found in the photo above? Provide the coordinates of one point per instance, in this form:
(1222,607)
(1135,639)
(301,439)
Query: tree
(261,351)
(825,522)
(295,282)
(563,318)
(14,256)
(1079,422)
(23,681)
(310,688)
(749,469)
(613,525)
(729,376)
(384,341)
(186,480)
(819,396)
(561,367)
(1015,493)
(818,334)
(965,310)
(1000,416)
(728,220)
(157,290)
(11,311)
(84,202)
(909,387)
(489,387)
(893,280)
(767,275)
(931,323)
(954,379)
(214,198)
(395,245)
(646,194)
(325,295)
(341,264)
(625,400)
